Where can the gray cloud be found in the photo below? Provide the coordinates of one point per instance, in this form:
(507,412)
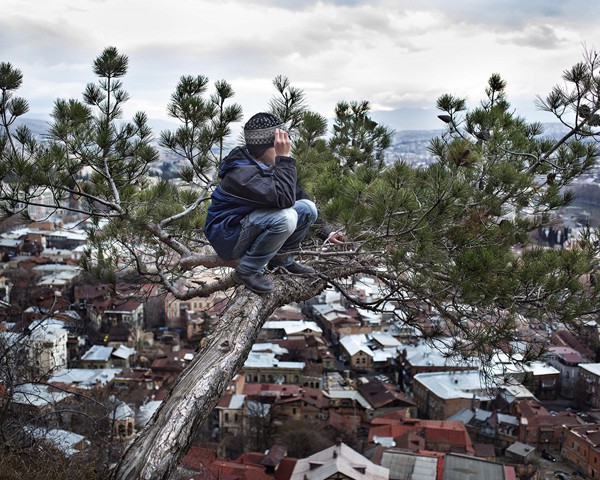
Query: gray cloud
(308,4)
(43,42)
(514,13)
(543,37)
(393,52)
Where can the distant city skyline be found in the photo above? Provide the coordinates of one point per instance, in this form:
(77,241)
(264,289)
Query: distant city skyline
(399,55)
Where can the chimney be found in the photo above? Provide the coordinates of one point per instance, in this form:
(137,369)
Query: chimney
(338,447)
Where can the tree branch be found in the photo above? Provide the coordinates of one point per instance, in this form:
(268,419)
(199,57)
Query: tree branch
(157,449)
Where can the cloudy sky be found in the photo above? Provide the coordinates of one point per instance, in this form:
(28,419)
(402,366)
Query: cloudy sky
(399,55)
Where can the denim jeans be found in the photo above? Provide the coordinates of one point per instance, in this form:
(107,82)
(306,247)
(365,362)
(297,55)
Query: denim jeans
(269,231)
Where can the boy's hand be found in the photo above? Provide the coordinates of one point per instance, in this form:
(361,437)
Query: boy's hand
(336,238)
(283,144)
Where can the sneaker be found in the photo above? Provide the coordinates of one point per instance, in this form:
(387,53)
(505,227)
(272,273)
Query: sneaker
(299,269)
(256,282)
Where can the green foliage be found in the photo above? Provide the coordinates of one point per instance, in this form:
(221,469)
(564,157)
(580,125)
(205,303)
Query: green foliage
(95,163)
(357,139)
(289,105)
(456,234)
(451,238)
(20,142)
(205,123)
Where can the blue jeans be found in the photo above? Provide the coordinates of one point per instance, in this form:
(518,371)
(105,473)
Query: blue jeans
(269,231)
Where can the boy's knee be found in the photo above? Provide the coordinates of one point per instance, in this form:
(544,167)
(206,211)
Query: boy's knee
(307,209)
(286,220)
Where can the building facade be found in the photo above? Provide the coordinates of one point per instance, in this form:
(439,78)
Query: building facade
(581,448)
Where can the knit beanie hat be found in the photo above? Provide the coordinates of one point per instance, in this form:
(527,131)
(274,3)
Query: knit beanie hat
(259,133)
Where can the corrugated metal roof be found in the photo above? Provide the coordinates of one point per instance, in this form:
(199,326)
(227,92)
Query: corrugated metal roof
(98,353)
(406,465)
(356,343)
(292,326)
(85,377)
(351,395)
(457,467)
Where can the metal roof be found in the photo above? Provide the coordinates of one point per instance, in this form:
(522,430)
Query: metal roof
(458,467)
(410,465)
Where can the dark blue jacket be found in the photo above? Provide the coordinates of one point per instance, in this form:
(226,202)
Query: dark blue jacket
(246,185)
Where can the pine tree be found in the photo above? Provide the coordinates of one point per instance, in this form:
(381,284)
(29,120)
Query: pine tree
(450,240)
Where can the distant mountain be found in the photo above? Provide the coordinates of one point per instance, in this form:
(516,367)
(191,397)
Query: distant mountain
(409,119)
(37,127)
(410,145)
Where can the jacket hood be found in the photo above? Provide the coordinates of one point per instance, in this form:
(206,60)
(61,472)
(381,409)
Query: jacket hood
(238,156)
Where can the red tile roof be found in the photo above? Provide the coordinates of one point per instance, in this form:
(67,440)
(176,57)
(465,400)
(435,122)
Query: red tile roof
(452,434)
(285,469)
(254,458)
(198,458)
(537,415)
(311,396)
(203,460)
(225,400)
(223,469)
(343,423)
(380,394)
(270,390)
(437,431)
(568,353)
(91,291)
(122,305)
(398,414)
(564,337)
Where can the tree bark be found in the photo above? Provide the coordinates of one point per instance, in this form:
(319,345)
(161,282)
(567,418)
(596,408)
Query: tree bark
(157,449)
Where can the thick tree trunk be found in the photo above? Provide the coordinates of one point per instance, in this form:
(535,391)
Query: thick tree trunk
(158,448)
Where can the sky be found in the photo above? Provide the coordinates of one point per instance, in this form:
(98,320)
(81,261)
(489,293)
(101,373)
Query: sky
(399,55)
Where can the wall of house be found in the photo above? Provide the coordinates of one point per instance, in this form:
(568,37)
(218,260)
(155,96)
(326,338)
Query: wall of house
(436,408)
(361,360)
(568,377)
(273,375)
(577,450)
(50,354)
(230,421)
(591,386)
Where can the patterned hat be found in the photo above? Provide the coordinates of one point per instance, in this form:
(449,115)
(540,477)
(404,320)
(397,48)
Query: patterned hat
(260,129)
